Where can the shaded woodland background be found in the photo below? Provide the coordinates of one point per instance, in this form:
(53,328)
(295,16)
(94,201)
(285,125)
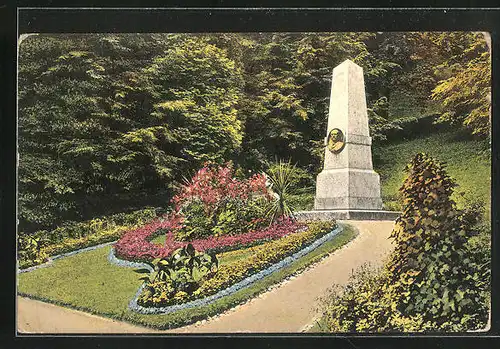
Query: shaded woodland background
(112,123)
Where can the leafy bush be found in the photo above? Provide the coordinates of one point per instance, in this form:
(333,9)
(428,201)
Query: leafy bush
(261,257)
(214,203)
(366,304)
(30,251)
(435,279)
(179,274)
(431,263)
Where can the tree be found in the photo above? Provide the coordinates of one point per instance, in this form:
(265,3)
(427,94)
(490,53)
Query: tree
(287,84)
(465,95)
(196,88)
(106,122)
(431,268)
(461,67)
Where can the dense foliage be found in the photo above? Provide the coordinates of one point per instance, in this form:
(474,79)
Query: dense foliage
(108,121)
(177,275)
(111,122)
(462,72)
(434,279)
(215,203)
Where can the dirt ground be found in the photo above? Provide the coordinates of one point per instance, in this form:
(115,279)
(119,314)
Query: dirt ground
(289,307)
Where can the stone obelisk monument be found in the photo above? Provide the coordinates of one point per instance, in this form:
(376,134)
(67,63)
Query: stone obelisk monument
(348,187)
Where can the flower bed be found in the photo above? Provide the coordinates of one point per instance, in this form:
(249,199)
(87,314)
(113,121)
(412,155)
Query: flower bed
(136,245)
(74,236)
(262,257)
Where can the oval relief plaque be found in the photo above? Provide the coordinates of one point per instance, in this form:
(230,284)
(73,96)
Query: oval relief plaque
(336,141)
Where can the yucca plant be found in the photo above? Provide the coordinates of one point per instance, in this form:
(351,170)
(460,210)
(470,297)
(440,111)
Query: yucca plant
(280,176)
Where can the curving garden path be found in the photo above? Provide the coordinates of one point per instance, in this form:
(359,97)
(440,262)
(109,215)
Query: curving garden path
(289,307)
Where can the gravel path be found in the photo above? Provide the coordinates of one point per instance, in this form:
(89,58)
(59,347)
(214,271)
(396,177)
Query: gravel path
(289,307)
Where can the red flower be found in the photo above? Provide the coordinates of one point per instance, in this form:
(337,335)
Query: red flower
(210,185)
(135,244)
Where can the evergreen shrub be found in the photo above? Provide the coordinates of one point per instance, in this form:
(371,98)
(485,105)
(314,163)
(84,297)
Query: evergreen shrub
(437,277)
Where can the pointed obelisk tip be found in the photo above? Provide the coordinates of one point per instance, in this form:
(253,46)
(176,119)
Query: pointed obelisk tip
(348,62)
(347,65)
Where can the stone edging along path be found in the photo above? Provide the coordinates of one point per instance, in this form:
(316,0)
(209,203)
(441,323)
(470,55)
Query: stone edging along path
(248,281)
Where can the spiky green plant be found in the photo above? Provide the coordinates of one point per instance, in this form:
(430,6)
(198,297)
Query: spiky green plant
(281,175)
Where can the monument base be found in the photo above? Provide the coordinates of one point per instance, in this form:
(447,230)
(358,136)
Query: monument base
(348,189)
(325,215)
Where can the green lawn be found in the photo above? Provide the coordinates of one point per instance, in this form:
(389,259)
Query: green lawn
(467,161)
(160,239)
(88,282)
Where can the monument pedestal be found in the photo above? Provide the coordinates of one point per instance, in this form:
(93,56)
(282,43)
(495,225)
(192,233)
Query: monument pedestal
(348,187)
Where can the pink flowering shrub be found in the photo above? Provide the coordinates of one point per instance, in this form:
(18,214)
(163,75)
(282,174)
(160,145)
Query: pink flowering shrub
(215,203)
(211,185)
(135,245)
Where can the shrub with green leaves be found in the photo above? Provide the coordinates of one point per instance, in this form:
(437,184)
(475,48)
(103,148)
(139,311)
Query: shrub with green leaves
(177,275)
(431,264)
(30,250)
(435,279)
(367,304)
